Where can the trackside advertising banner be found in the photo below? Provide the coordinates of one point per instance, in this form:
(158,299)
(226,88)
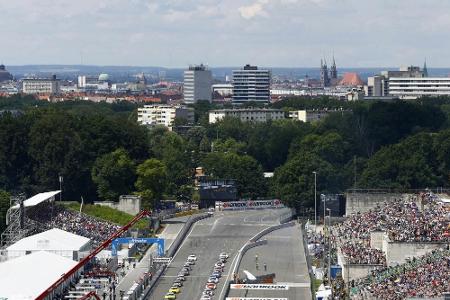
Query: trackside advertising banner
(251,204)
(272,287)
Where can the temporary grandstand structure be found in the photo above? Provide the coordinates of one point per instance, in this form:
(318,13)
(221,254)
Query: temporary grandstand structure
(55,240)
(18,225)
(28,276)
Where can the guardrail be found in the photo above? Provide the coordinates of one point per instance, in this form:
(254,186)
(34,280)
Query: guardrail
(253,242)
(308,260)
(172,250)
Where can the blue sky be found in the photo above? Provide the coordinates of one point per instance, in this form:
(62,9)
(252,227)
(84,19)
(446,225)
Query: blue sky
(176,33)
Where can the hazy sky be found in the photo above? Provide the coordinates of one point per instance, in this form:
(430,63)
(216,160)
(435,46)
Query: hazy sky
(175,33)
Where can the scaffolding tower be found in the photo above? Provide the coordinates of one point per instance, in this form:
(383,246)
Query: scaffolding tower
(18,226)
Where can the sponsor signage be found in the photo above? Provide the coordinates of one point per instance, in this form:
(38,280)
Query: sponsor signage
(272,287)
(164,260)
(251,204)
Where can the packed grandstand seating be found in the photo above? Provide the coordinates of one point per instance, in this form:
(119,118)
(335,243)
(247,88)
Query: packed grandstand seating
(402,220)
(359,252)
(57,216)
(427,276)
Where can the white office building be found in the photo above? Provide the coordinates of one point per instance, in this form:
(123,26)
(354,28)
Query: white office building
(247,114)
(165,115)
(197,84)
(412,88)
(41,85)
(312,115)
(251,85)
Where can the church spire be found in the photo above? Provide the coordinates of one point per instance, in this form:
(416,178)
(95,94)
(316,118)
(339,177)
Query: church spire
(425,69)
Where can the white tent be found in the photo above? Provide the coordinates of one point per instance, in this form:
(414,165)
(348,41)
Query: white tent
(39,198)
(55,240)
(28,276)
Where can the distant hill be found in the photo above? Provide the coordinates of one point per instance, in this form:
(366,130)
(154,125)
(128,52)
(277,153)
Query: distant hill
(154,73)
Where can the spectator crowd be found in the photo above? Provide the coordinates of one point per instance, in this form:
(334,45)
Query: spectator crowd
(60,217)
(424,277)
(402,220)
(358,252)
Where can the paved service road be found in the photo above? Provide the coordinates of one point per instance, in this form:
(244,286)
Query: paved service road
(283,255)
(169,234)
(225,232)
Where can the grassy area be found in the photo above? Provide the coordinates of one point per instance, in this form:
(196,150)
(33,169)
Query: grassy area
(316,284)
(108,214)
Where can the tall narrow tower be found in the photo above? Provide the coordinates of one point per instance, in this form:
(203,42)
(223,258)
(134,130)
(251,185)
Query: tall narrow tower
(425,69)
(333,70)
(324,79)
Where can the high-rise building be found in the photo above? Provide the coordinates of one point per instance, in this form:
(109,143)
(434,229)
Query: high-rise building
(197,84)
(251,84)
(324,79)
(41,85)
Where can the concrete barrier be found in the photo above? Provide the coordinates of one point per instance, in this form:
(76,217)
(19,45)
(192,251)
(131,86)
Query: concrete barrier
(172,250)
(376,239)
(354,271)
(253,242)
(364,201)
(399,252)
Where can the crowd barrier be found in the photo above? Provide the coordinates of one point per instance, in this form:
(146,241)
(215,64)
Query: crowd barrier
(172,250)
(253,242)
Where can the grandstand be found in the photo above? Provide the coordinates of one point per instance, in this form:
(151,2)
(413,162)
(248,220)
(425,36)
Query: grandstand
(403,243)
(38,223)
(19,226)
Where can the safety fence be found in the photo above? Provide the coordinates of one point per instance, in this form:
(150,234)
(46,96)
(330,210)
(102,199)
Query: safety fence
(171,251)
(253,242)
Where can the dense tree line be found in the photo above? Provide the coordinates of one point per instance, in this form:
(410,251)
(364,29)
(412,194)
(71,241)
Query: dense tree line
(102,152)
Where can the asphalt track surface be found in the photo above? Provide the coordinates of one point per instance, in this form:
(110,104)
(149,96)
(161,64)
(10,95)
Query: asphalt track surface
(284,256)
(225,232)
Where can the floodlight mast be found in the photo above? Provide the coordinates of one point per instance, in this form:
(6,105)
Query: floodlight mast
(91,255)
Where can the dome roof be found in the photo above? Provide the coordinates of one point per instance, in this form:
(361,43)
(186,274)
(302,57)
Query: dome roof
(4,74)
(351,79)
(103,77)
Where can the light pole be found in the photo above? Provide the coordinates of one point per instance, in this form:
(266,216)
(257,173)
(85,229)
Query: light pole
(61,179)
(315,200)
(322,196)
(329,243)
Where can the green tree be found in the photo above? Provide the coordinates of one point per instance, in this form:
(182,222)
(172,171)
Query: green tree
(244,169)
(409,164)
(293,182)
(55,148)
(4,206)
(114,175)
(151,181)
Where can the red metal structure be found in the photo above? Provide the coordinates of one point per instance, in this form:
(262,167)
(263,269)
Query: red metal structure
(85,260)
(89,295)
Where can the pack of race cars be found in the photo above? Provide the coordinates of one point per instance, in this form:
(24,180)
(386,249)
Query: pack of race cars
(211,284)
(181,277)
(213,280)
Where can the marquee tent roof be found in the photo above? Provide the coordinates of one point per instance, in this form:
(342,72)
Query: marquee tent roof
(28,276)
(39,198)
(53,239)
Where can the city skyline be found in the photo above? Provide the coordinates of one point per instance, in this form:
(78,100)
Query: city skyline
(174,34)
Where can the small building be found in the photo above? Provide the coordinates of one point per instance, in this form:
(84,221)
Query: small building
(309,115)
(247,114)
(55,240)
(41,85)
(165,115)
